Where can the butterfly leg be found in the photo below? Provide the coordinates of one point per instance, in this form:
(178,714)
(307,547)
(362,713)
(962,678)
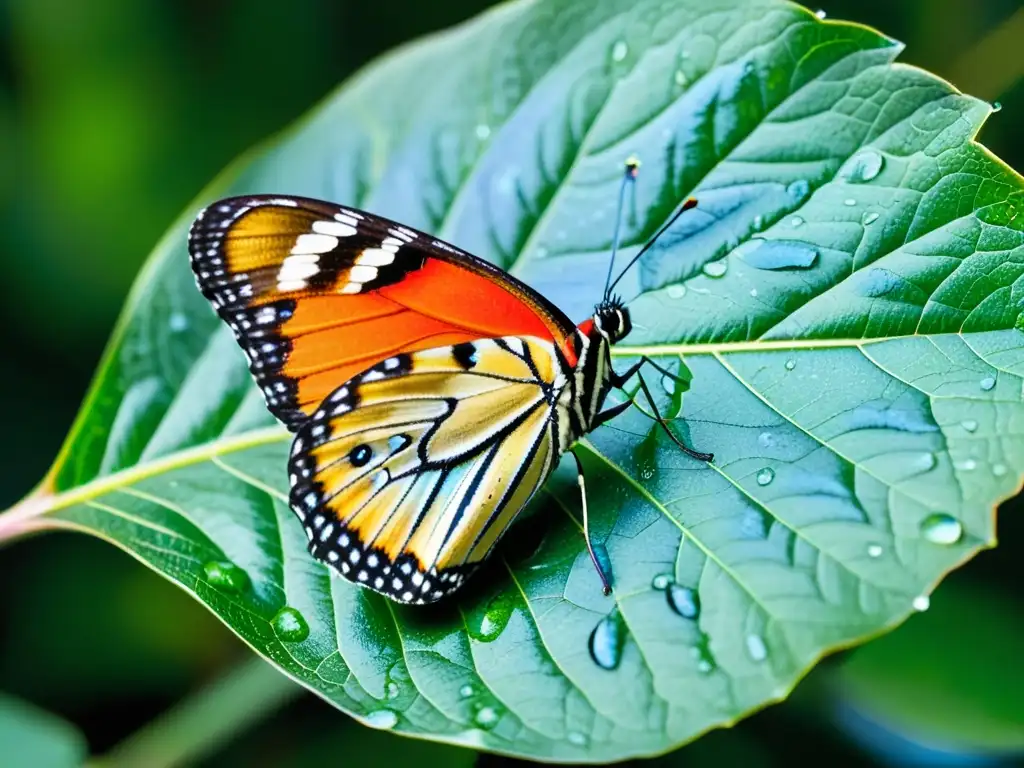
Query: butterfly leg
(664,425)
(605,586)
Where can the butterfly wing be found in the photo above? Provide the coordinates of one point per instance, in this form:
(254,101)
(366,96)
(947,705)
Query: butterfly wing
(316,293)
(409,473)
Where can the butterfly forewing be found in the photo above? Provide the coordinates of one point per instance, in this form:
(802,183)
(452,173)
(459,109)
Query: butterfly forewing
(317,293)
(408,473)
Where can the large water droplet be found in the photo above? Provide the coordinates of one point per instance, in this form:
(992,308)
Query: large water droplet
(661,581)
(620,50)
(796,221)
(790,365)
(495,618)
(987,383)
(483,131)
(868,218)
(756,648)
(607,640)
(290,625)
(684,601)
(715,268)
(969,424)
(227,576)
(921,603)
(486,718)
(940,528)
(820,13)
(382,718)
(466,691)
(765,476)
(875,550)
(676,291)
(999,470)
(777,254)
(864,166)
(177,322)
(577,738)
(799,190)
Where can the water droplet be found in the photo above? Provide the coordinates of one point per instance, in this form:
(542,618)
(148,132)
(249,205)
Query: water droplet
(748,67)
(777,254)
(756,648)
(466,691)
(869,218)
(921,603)
(790,365)
(382,718)
(753,293)
(495,618)
(392,690)
(874,550)
(647,472)
(849,201)
(483,131)
(967,465)
(661,581)
(684,601)
(765,476)
(715,268)
(227,576)
(486,718)
(987,383)
(577,738)
(799,190)
(676,291)
(620,50)
(924,462)
(940,528)
(541,252)
(864,166)
(702,653)
(290,626)
(680,78)
(607,640)
(178,322)
(796,221)
(999,470)
(765,440)
(969,424)
(997,106)
(758,222)
(820,13)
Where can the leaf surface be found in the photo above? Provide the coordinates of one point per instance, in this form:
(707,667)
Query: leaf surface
(845,297)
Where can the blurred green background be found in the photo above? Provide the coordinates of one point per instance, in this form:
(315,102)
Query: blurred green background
(113,115)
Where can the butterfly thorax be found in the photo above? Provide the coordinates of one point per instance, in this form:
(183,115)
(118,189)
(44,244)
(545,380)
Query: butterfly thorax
(590,379)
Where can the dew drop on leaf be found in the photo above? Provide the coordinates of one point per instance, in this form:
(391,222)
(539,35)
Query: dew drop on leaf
(227,576)
(790,365)
(676,291)
(967,465)
(392,690)
(756,648)
(999,470)
(483,131)
(765,440)
(680,78)
(684,601)
(996,107)
(778,254)
(969,424)
(382,718)
(796,221)
(820,13)
(987,383)
(765,476)
(486,718)
(661,581)
(466,691)
(494,620)
(869,217)
(864,166)
(290,626)
(177,322)
(874,550)
(758,222)
(922,603)
(620,50)
(606,641)
(941,528)
(715,268)
(753,293)
(849,201)
(799,190)
(577,738)
(924,462)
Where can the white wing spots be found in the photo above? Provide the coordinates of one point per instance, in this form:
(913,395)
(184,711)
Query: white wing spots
(266,316)
(343,227)
(375,257)
(515,344)
(362,274)
(402,233)
(351,288)
(346,214)
(314,243)
(296,269)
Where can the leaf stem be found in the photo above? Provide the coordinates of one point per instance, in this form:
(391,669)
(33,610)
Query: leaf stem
(206,720)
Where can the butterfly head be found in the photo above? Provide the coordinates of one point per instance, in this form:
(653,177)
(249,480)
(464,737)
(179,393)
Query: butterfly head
(611,319)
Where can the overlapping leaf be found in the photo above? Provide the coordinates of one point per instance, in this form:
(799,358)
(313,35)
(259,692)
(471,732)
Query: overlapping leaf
(845,297)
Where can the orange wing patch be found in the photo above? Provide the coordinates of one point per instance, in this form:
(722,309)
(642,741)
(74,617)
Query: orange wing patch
(316,293)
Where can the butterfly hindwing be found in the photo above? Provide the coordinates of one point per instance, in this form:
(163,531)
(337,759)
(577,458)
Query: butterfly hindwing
(407,475)
(316,293)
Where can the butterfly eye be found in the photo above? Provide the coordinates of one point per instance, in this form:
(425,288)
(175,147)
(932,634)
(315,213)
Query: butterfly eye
(360,455)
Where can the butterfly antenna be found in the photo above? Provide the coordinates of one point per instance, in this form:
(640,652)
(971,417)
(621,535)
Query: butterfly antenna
(632,168)
(687,205)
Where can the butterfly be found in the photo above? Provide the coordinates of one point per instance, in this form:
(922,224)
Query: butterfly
(430,393)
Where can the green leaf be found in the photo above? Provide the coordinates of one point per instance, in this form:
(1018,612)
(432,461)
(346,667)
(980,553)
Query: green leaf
(845,297)
(32,736)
